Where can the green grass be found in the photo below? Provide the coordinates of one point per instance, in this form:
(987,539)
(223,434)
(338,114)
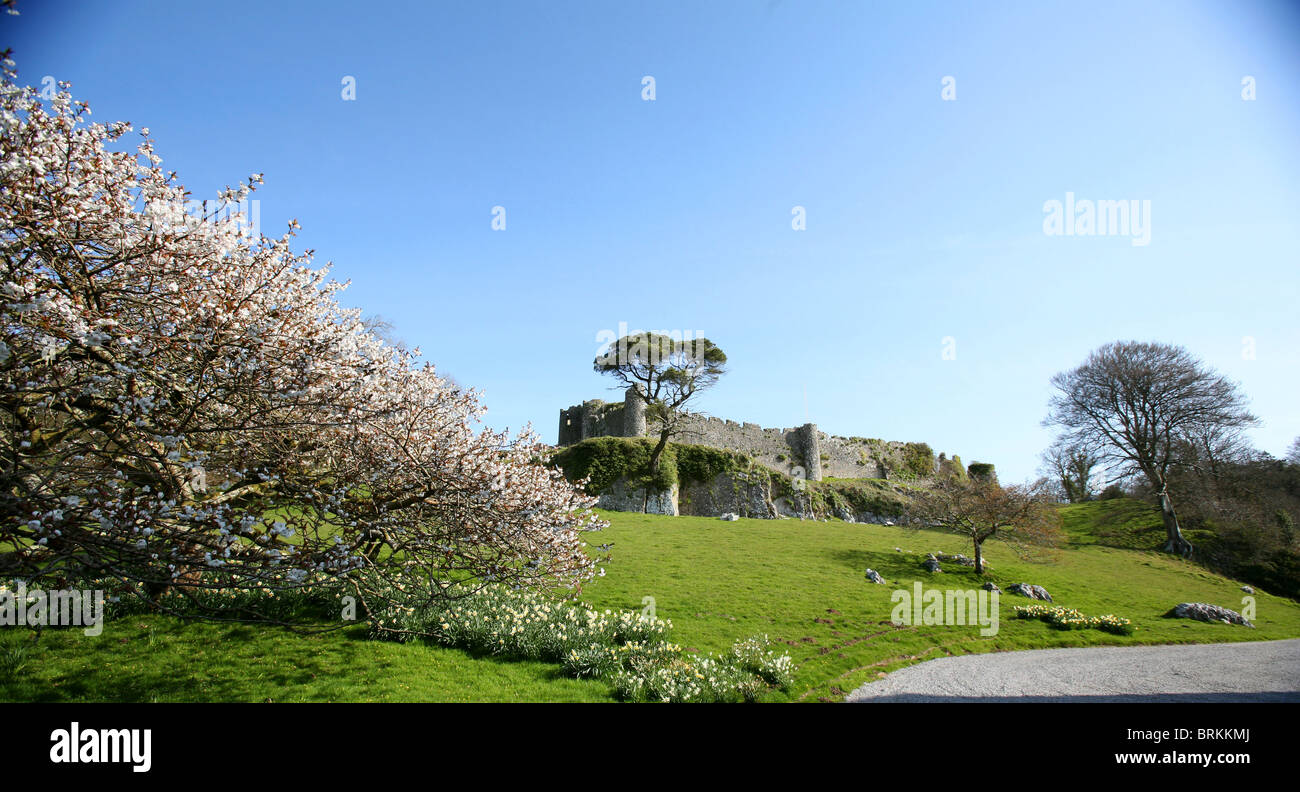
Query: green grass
(799,582)
(153,658)
(1121,522)
(719,581)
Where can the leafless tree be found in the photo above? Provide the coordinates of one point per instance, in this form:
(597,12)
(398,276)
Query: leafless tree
(1138,403)
(980,510)
(1071,466)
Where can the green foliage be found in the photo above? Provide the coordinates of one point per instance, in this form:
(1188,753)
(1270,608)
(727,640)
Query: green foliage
(917,461)
(982,470)
(1112,492)
(608,459)
(605,460)
(697,463)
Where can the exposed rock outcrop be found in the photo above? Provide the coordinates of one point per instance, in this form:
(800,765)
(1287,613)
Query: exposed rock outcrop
(1030,590)
(1203,611)
(743,493)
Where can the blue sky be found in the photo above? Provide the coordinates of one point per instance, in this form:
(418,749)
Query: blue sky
(924,216)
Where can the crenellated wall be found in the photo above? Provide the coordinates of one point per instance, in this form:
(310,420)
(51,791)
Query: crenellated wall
(801,451)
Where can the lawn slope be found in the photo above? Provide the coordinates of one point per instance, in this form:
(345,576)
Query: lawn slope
(801,583)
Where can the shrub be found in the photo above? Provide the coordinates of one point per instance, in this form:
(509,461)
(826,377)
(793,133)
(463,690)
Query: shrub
(702,463)
(1112,492)
(605,460)
(917,461)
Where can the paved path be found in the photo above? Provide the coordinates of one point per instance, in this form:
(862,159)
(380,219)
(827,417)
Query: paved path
(1256,671)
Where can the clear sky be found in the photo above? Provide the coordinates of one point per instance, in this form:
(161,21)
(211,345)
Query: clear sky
(924,216)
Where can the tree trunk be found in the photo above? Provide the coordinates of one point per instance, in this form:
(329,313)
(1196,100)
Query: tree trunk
(1175,542)
(655,456)
(979,559)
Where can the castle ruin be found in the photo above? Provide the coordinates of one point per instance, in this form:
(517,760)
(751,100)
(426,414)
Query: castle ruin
(803,451)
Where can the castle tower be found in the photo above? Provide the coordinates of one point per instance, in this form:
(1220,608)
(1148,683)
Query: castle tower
(634,422)
(589,418)
(812,451)
(571,423)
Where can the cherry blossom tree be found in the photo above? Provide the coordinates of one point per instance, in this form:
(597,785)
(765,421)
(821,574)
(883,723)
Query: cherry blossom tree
(187,406)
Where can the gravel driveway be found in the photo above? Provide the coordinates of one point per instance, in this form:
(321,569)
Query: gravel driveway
(1257,671)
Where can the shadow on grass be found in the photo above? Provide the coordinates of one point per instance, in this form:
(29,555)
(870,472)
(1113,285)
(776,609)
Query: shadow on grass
(906,568)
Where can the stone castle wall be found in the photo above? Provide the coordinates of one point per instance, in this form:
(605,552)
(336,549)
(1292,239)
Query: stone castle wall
(800,451)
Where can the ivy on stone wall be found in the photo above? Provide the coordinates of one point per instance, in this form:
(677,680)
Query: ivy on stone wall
(605,460)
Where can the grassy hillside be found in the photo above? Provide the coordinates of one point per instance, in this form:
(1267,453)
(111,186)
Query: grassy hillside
(1122,522)
(801,583)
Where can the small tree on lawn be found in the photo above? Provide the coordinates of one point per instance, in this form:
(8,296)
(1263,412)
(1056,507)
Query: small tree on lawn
(665,374)
(979,509)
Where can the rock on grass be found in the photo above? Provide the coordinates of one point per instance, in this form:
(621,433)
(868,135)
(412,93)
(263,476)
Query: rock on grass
(1203,611)
(1030,590)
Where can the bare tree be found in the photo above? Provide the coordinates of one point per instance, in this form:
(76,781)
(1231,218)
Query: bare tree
(1071,465)
(1137,403)
(1293,453)
(980,510)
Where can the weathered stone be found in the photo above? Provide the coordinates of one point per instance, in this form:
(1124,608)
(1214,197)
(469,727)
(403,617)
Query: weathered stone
(736,492)
(1030,590)
(875,577)
(1203,611)
(634,420)
(620,497)
(931,564)
(730,517)
(818,453)
(991,586)
(1248,589)
(960,559)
